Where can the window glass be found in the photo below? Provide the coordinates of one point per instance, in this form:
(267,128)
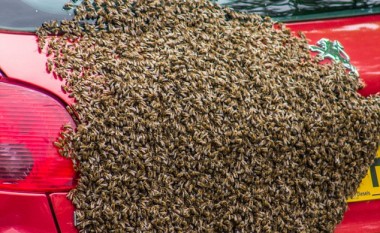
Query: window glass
(304,9)
(27,15)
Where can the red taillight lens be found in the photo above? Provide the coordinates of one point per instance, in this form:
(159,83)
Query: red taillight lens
(30,122)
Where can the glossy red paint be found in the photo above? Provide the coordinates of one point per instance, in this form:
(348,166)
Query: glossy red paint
(64,212)
(25,213)
(361,217)
(360,37)
(20,60)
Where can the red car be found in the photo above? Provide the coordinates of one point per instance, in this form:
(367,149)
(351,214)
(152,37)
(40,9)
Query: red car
(35,179)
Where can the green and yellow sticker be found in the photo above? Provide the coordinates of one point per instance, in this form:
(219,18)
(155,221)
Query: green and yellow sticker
(369,189)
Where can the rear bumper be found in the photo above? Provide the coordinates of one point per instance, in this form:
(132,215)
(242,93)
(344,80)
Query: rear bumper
(33,213)
(53,213)
(24,213)
(64,212)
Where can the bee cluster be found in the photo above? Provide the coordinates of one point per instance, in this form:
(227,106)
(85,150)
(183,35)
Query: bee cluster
(195,118)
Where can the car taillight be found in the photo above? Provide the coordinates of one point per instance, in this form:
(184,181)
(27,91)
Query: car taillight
(30,122)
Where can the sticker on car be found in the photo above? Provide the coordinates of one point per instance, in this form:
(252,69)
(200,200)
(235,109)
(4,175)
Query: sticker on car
(369,189)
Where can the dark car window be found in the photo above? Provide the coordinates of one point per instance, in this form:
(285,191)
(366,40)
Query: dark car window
(27,15)
(286,10)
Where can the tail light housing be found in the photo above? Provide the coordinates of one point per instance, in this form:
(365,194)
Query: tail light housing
(30,122)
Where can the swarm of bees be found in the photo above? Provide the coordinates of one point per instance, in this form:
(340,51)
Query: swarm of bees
(195,118)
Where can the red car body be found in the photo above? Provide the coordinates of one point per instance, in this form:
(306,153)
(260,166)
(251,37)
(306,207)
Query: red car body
(50,211)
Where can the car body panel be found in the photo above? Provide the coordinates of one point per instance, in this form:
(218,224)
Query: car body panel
(360,37)
(20,60)
(25,213)
(64,212)
(361,217)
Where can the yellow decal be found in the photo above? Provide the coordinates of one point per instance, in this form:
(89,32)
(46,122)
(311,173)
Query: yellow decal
(369,189)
